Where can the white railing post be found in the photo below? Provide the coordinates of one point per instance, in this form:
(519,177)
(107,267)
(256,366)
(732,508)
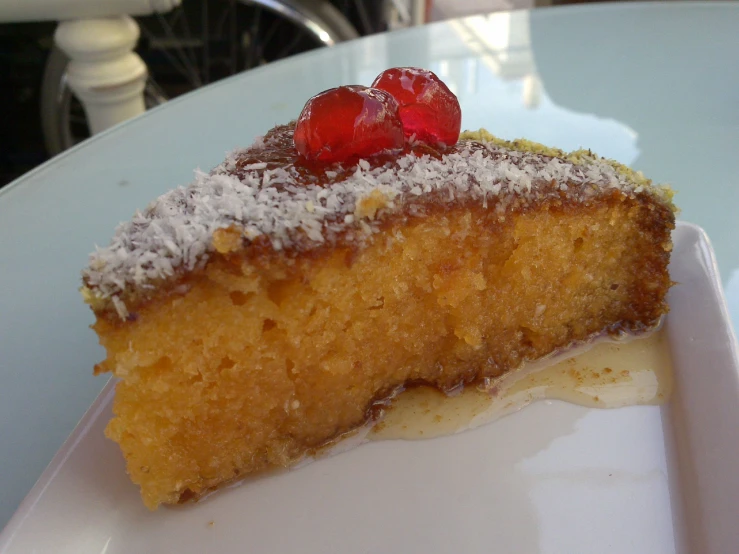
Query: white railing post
(104,72)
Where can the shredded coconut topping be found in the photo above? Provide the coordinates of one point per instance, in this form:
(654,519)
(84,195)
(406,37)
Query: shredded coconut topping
(295,209)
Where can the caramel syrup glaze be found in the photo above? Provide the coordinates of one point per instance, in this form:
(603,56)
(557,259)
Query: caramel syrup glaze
(278,152)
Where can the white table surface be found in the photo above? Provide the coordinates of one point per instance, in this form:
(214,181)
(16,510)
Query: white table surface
(655,86)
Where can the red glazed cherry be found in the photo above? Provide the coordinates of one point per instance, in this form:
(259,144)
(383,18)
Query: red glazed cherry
(428,108)
(348,121)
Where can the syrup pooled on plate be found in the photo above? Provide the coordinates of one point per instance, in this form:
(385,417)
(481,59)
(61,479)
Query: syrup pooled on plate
(608,374)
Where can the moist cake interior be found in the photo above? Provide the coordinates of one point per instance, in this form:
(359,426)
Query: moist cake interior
(245,341)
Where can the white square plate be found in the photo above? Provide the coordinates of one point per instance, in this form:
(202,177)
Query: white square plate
(552,478)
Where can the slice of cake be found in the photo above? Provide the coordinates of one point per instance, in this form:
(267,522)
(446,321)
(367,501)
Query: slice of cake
(265,309)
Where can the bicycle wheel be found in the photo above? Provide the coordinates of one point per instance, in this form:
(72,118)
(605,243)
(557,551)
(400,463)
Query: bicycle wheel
(195,44)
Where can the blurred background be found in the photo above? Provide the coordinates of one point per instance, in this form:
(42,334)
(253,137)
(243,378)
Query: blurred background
(196,43)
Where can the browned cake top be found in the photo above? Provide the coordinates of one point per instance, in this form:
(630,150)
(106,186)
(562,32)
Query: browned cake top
(268,193)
